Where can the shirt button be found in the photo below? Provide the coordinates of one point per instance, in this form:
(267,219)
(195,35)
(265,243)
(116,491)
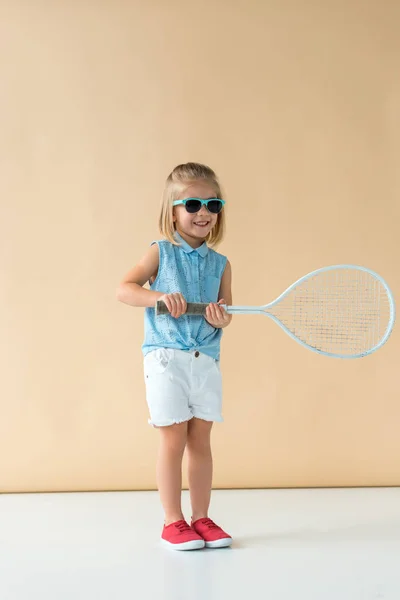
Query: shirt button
(197,354)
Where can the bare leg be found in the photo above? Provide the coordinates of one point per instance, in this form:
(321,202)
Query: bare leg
(200,466)
(169,470)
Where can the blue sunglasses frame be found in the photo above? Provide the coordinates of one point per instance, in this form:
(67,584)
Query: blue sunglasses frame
(177,202)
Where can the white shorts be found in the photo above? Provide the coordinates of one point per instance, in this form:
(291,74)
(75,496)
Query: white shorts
(181,385)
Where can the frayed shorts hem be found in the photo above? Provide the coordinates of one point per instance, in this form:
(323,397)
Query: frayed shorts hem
(170,422)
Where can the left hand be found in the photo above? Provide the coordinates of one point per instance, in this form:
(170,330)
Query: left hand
(216,315)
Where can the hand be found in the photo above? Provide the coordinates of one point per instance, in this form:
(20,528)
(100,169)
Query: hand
(175,303)
(216,315)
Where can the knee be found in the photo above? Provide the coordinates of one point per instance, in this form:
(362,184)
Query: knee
(173,438)
(198,444)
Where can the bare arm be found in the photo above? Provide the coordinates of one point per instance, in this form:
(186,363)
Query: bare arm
(131,291)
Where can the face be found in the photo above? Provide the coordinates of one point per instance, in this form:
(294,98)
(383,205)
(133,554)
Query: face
(194,228)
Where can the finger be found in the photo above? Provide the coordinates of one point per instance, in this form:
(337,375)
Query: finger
(212,310)
(223,315)
(223,312)
(220,314)
(168,303)
(223,304)
(223,309)
(209,315)
(183,304)
(215,312)
(179,304)
(174,303)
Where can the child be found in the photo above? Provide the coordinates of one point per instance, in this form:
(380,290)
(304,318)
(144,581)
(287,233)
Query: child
(181,352)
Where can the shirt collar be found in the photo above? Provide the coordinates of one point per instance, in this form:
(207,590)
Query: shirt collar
(202,250)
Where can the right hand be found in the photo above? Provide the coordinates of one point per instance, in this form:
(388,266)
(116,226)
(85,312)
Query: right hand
(175,303)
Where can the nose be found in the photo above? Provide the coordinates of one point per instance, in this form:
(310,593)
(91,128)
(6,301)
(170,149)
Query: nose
(203,212)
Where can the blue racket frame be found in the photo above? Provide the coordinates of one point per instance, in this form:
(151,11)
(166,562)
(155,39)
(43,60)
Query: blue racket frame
(253,310)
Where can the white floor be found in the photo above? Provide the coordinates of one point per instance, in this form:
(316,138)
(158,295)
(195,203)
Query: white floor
(339,544)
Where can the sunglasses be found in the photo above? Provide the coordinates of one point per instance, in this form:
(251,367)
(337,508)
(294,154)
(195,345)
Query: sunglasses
(193,205)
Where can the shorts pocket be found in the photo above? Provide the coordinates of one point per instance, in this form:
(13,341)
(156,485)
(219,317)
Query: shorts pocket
(157,361)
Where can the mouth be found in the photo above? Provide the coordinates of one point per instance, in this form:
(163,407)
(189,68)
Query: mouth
(202,224)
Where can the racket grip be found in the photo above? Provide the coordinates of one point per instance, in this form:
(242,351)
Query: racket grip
(193,308)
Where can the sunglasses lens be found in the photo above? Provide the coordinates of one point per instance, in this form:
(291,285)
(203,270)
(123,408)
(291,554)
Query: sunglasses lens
(193,206)
(214,206)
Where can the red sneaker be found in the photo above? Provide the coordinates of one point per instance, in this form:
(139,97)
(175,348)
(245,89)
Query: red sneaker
(214,536)
(180,536)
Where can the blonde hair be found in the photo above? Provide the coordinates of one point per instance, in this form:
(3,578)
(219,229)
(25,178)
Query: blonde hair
(180,178)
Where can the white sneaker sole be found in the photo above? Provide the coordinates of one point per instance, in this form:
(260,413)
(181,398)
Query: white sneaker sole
(224,543)
(194,545)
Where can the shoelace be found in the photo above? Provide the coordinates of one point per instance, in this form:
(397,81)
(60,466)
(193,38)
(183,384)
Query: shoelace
(182,526)
(209,523)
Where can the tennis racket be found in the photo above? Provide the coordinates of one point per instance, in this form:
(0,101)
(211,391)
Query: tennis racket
(343,311)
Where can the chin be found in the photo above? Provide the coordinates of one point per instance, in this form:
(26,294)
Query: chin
(199,235)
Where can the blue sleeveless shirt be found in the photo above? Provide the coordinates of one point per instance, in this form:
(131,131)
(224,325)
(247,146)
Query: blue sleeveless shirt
(197,274)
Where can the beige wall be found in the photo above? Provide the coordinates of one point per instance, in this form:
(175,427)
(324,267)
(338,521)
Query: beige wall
(296,105)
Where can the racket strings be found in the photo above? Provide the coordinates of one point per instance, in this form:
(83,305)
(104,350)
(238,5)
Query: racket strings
(340,311)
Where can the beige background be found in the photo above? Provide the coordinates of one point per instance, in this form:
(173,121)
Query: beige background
(296,106)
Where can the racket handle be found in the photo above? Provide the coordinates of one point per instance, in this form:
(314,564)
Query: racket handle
(193,308)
